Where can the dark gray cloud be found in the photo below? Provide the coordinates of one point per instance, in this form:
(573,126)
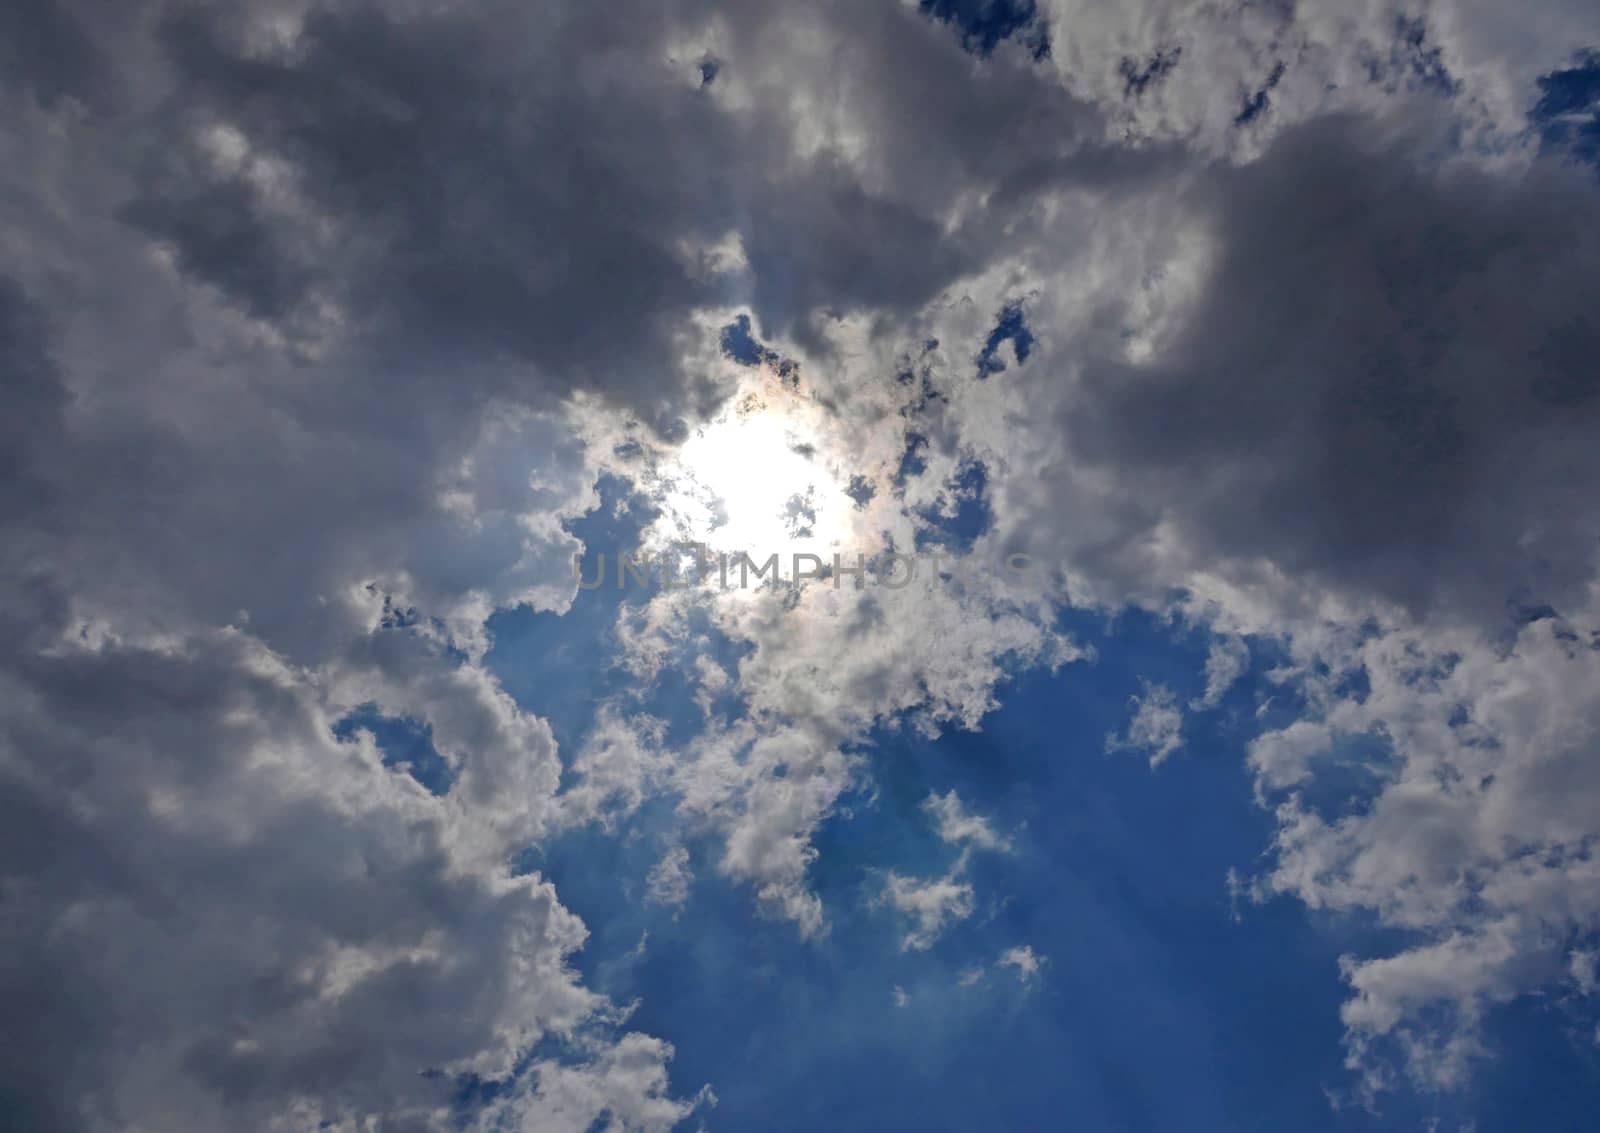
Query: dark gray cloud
(403,217)
(492,193)
(45,52)
(503,181)
(1387,383)
(214,911)
(33,397)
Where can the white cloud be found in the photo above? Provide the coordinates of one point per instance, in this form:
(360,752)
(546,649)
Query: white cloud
(624,1084)
(622,762)
(1473,839)
(1226,661)
(931,905)
(958,827)
(1156,729)
(1287,756)
(1028,963)
(669,880)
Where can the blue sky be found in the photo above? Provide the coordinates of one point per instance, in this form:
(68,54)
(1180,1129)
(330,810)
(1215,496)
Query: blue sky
(1168,1000)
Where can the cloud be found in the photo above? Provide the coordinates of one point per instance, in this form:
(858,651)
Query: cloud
(767,780)
(1172,70)
(624,1085)
(1473,841)
(216,907)
(669,880)
(934,905)
(1369,384)
(354,256)
(1584,967)
(931,905)
(959,827)
(620,764)
(352,263)
(1227,659)
(1156,729)
(424,178)
(1028,963)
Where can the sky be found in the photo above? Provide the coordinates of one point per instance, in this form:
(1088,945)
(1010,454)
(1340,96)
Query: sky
(645,567)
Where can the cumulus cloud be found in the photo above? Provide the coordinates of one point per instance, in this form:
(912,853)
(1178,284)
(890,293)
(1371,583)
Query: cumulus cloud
(1473,839)
(619,765)
(236,901)
(1359,423)
(623,1085)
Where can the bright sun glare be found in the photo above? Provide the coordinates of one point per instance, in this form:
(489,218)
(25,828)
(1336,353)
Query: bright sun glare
(760,480)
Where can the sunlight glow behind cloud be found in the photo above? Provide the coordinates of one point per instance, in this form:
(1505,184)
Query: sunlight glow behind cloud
(762,477)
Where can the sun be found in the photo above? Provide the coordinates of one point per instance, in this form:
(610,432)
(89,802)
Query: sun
(760,478)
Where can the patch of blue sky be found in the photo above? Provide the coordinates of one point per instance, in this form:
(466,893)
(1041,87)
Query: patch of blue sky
(561,666)
(740,344)
(406,745)
(1010,327)
(969,516)
(564,666)
(1257,102)
(1567,114)
(913,462)
(1544,1072)
(984,24)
